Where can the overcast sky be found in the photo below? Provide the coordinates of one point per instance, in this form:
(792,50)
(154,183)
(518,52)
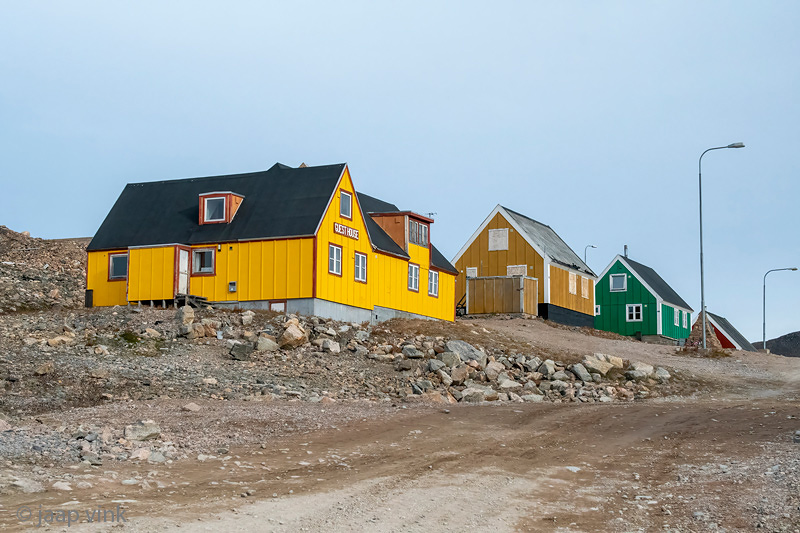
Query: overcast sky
(587,116)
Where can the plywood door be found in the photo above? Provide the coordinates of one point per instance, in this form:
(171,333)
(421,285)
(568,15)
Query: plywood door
(183,271)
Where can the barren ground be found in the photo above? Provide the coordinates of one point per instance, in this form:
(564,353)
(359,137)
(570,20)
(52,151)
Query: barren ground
(718,457)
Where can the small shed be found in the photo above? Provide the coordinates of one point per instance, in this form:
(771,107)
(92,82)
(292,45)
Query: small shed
(502,294)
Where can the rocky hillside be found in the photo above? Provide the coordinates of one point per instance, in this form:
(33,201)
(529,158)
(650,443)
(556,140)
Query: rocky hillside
(37,274)
(788,345)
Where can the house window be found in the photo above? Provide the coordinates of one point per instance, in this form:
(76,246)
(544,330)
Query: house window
(346,204)
(214,210)
(677,317)
(596,310)
(203,261)
(335,259)
(584,287)
(360,269)
(413,277)
(516,270)
(417,233)
(472,272)
(619,282)
(685,319)
(498,239)
(118,266)
(433,283)
(634,313)
(573,283)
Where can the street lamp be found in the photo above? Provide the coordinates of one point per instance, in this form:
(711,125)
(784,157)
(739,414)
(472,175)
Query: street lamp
(584,251)
(764,300)
(700,186)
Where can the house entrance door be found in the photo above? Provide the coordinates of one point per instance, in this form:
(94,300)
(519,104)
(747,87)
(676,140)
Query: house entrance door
(183,271)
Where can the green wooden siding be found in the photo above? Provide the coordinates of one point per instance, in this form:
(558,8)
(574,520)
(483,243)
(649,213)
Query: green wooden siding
(668,327)
(613,305)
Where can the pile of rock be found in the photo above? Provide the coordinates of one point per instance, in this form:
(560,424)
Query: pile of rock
(39,273)
(456,371)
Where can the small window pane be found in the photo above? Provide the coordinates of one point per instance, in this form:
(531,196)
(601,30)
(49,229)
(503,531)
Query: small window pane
(433,283)
(361,267)
(119,266)
(334,260)
(618,282)
(203,261)
(346,205)
(215,209)
(413,277)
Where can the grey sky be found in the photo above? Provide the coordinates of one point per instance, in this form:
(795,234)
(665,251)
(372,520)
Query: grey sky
(587,116)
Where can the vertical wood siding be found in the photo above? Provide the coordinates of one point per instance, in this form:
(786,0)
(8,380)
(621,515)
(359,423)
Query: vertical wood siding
(560,295)
(494,263)
(106,292)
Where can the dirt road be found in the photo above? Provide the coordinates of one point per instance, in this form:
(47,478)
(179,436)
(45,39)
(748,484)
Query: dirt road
(541,467)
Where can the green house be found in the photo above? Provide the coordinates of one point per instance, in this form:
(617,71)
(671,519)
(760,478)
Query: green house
(632,299)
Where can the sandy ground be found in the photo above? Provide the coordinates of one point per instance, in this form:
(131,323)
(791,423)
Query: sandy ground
(721,459)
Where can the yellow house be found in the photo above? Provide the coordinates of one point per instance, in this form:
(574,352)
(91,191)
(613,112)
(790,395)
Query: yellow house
(288,239)
(508,243)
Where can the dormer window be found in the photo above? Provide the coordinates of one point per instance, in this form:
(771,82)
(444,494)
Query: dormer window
(215,210)
(417,233)
(219,207)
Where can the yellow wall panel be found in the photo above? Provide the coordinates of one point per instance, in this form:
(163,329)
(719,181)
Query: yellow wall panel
(151,274)
(105,293)
(560,295)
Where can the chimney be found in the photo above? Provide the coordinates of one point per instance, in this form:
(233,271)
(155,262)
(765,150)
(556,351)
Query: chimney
(626,251)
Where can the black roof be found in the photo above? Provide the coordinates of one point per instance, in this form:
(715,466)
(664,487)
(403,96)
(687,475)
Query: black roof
(658,284)
(381,239)
(732,333)
(279,202)
(550,242)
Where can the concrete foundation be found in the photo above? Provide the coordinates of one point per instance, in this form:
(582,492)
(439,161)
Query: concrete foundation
(326,309)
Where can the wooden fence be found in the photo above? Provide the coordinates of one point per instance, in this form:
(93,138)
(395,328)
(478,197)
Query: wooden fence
(502,294)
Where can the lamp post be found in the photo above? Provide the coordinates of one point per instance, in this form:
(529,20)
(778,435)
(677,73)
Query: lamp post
(700,187)
(584,251)
(764,300)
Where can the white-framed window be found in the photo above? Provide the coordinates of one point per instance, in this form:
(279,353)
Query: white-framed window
(498,239)
(413,277)
(573,283)
(677,317)
(685,319)
(214,210)
(633,313)
(417,233)
(472,272)
(618,282)
(360,270)
(596,310)
(203,261)
(433,283)
(585,287)
(118,266)
(346,204)
(335,259)
(517,270)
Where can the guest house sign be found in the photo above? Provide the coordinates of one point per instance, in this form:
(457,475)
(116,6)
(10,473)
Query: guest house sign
(341,229)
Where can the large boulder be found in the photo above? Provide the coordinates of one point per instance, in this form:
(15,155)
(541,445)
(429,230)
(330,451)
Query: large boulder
(450,359)
(580,372)
(661,375)
(547,368)
(266,344)
(185,315)
(643,367)
(467,352)
(493,370)
(636,375)
(142,430)
(241,351)
(459,374)
(613,359)
(510,385)
(293,336)
(473,395)
(331,346)
(596,366)
(411,352)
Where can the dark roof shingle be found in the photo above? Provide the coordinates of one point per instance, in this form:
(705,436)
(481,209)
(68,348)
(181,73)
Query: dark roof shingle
(658,284)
